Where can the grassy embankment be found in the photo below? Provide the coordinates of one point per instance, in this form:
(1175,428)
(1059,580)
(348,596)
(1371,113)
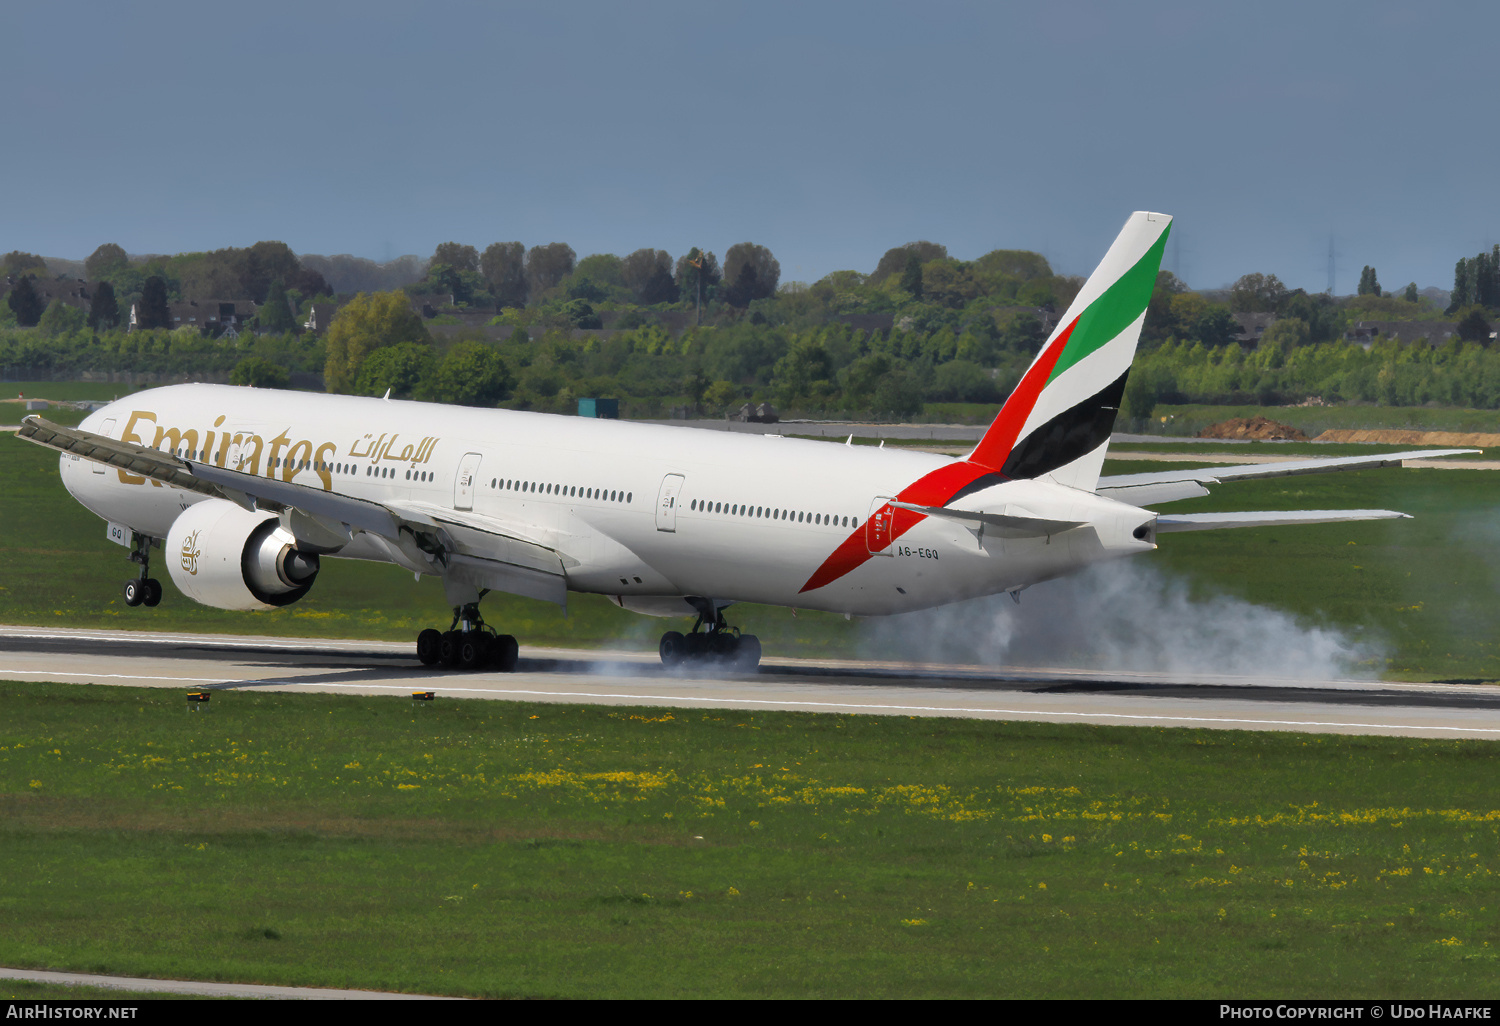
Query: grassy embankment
(507,849)
(1313,420)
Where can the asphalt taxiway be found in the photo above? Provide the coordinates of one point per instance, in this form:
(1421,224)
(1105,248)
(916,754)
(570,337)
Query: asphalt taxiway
(230,663)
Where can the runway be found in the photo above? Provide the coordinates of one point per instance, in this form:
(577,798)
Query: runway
(232,663)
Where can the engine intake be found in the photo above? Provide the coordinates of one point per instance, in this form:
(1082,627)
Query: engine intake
(230,558)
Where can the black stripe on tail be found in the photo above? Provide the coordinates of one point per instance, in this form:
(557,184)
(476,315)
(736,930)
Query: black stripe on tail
(1067,436)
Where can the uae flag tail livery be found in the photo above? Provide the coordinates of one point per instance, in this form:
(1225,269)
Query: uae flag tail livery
(1051,432)
(1056,424)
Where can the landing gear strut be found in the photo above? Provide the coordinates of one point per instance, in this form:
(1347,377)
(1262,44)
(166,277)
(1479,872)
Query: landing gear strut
(711,641)
(468,644)
(142,590)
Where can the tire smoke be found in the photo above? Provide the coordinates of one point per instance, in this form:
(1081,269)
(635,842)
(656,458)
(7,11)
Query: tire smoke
(1125,616)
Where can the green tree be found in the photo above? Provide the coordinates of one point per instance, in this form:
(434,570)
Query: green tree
(109,259)
(895,259)
(1412,295)
(504,268)
(366,323)
(752,272)
(457,256)
(16,263)
(1256,293)
(546,266)
(911,276)
(25,303)
(1368,284)
(698,276)
(104,309)
(399,368)
(720,395)
(258,372)
(60,319)
(472,374)
(153,311)
(1284,335)
(266,262)
(1216,326)
(648,275)
(1473,326)
(275,314)
(1161,321)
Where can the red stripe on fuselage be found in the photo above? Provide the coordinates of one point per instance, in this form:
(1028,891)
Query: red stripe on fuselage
(932,489)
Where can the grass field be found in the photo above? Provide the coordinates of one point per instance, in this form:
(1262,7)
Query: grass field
(506,849)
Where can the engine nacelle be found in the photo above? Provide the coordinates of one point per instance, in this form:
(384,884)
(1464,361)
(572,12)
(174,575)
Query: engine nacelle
(229,558)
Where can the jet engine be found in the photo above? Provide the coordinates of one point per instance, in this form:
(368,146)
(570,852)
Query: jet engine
(230,558)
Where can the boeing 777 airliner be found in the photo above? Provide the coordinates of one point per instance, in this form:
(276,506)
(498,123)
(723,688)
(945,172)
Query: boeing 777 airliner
(250,489)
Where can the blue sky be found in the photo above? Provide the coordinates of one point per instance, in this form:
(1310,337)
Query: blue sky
(825,131)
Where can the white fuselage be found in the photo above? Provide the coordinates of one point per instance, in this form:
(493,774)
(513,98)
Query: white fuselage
(642,513)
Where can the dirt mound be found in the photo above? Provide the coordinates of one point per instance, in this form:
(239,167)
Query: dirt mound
(1258,428)
(1468,440)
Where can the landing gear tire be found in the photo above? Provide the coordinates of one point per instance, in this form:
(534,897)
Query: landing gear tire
(504,652)
(448,648)
(673,648)
(135,591)
(153,592)
(473,646)
(429,647)
(711,642)
(468,644)
(747,657)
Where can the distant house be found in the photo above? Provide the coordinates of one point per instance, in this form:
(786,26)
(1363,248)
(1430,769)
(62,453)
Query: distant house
(213,317)
(872,323)
(1434,332)
(1252,327)
(71,291)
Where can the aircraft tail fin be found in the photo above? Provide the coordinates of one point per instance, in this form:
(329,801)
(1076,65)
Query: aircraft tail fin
(1056,423)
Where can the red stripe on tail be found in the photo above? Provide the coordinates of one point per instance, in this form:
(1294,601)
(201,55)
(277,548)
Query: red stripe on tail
(994,448)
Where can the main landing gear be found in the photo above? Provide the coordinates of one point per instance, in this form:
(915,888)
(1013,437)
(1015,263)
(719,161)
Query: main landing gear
(711,642)
(142,590)
(468,644)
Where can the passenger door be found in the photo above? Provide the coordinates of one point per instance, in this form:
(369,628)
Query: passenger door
(666,503)
(463,485)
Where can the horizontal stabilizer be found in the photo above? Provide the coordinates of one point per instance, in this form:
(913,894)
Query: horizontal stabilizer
(1014,525)
(1167,523)
(1148,494)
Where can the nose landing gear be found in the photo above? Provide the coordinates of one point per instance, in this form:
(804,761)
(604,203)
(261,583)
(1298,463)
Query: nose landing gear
(142,590)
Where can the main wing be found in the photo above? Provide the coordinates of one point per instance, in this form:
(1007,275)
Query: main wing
(494,553)
(1171,485)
